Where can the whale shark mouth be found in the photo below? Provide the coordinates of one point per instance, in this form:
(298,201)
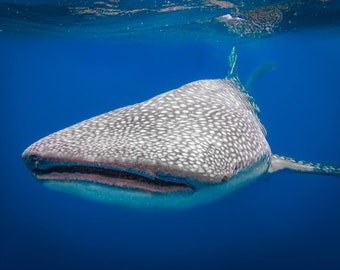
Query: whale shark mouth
(45,170)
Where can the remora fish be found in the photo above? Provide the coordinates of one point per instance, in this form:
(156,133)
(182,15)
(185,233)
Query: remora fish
(182,148)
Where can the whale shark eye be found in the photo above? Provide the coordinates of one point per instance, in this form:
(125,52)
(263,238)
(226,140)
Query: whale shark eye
(33,158)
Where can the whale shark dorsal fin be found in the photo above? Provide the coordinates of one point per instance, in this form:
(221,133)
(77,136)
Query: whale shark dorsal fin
(233,77)
(232,74)
(232,69)
(280,163)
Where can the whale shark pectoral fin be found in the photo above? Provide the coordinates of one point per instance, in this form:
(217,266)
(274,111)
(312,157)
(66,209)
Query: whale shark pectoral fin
(279,163)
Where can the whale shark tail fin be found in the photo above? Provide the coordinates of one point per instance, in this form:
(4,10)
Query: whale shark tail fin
(257,73)
(285,163)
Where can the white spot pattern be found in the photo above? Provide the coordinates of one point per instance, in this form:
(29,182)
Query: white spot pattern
(206,130)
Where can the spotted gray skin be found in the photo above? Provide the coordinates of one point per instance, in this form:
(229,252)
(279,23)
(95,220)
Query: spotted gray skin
(206,130)
(176,145)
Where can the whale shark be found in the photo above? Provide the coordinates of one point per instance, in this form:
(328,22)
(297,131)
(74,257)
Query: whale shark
(182,148)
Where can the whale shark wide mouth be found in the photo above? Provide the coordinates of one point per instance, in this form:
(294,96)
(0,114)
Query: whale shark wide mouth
(46,170)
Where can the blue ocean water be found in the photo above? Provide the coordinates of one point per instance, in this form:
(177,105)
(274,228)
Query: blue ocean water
(51,78)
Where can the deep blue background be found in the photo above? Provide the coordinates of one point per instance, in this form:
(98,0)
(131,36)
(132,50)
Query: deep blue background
(289,222)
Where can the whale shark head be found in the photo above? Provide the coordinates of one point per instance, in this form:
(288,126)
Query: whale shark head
(179,143)
(178,149)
